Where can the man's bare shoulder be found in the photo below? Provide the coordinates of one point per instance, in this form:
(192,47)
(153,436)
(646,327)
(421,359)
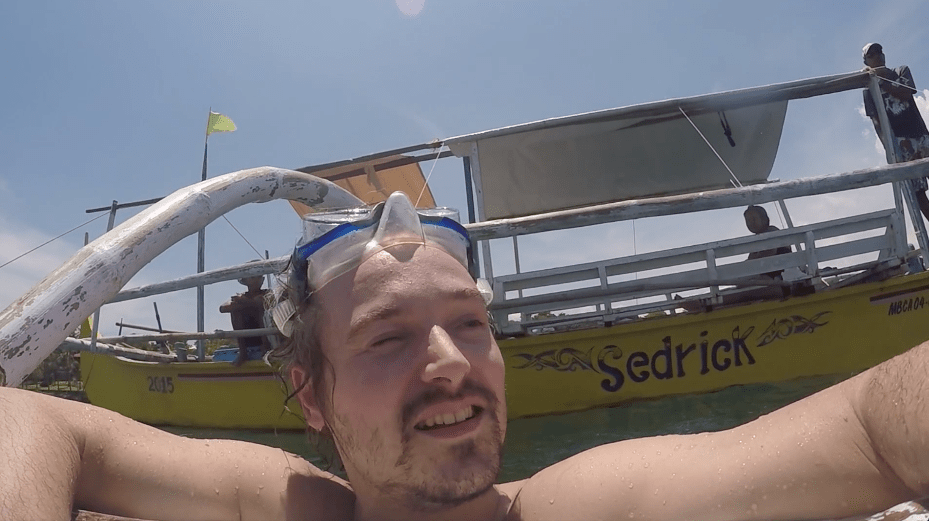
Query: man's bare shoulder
(809,459)
(623,478)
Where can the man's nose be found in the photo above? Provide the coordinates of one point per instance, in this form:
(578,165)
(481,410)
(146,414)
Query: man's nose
(447,365)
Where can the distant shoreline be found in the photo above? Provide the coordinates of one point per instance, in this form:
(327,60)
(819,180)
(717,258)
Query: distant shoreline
(62,389)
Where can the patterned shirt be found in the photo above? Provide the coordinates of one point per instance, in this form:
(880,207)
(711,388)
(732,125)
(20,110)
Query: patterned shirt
(905,119)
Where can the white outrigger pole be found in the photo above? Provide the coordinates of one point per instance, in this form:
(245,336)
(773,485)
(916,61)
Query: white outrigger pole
(39,321)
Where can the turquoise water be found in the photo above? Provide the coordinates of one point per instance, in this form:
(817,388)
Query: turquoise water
(535,443)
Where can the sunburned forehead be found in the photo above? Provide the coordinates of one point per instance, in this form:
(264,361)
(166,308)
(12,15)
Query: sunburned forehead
(390,281)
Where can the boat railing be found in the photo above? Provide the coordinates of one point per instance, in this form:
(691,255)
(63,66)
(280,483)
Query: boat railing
(667,280)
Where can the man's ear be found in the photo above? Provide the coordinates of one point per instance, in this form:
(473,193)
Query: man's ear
(307,398)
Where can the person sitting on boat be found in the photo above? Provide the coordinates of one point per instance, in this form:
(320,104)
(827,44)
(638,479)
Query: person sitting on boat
(391,354)
(757,222)
(906,123)
(246,311)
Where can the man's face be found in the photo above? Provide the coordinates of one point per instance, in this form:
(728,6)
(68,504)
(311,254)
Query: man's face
(874,59)
(417,403)
(756,222)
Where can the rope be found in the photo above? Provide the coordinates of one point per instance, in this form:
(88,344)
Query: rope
(242,236)
(423,191)
(735,180)
(50,240)
(897,83)
(780,217)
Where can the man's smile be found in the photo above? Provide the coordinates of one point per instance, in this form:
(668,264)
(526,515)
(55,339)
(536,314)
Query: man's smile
(448,419)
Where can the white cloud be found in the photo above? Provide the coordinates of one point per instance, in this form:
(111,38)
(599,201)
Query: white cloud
(922,103)
(20,275)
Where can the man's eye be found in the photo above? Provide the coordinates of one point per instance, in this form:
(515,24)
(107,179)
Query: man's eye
(474,323)
(388,341)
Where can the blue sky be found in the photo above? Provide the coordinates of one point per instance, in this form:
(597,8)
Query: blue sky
(108,100)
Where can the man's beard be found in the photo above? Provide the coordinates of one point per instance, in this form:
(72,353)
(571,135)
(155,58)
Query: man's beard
(450,478)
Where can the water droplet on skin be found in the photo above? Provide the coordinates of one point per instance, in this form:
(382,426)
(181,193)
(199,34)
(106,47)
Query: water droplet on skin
(631,515)
(630,485)
(646,464)
(551,501)
(216,490)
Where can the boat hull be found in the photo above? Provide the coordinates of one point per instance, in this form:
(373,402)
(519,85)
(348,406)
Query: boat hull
(191,394)
(834,332)
(843,331)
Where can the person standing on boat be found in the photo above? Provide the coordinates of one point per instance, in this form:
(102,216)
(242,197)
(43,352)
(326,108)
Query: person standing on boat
(246,311)
(906,123)
(393,357)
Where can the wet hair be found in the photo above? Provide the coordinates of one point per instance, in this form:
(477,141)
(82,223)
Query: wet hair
(304,349)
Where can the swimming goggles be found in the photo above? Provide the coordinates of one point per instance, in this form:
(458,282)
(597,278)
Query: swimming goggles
(334,243)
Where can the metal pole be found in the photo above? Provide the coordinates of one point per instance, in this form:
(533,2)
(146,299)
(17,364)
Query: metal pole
(96,323)
(475,164)
(201,242)
(469,192)
(890,148)
(787,219)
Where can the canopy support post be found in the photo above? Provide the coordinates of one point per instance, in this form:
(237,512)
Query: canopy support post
(96,323)
(475,162)
(890,148)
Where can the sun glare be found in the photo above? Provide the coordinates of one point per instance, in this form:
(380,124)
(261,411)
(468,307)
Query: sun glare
(410,7)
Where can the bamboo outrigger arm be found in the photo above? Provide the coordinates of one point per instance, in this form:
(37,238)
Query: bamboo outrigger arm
(39,321)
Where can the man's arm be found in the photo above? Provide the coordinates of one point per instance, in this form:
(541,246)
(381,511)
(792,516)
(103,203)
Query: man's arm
(63,451)
(890,403)
(857,447)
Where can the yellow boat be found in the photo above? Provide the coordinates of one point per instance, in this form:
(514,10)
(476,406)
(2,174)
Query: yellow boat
(844,294)
(842,331)
(837,332)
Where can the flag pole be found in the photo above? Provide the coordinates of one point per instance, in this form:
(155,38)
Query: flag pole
(201,243)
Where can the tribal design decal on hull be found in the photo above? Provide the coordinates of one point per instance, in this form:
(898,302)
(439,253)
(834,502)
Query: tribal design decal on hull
(673,359)
(793,325)
(567,359)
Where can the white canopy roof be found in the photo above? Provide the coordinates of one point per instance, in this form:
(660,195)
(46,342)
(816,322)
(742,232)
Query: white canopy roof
(633,152)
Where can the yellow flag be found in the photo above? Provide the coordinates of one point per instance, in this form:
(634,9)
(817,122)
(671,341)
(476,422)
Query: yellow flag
(219,123)
(86,328)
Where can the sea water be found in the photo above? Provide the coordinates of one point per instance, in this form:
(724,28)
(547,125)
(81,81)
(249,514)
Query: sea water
(535,443)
